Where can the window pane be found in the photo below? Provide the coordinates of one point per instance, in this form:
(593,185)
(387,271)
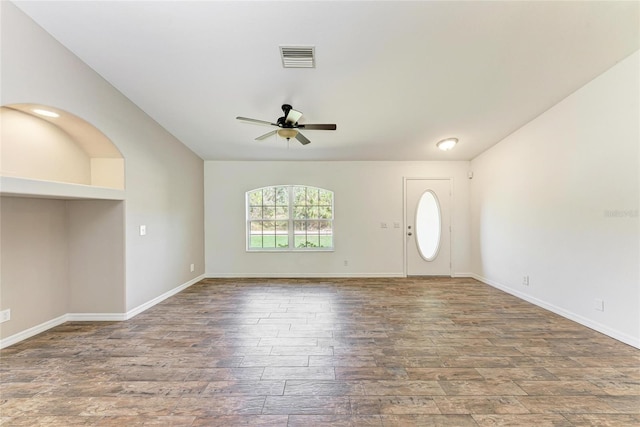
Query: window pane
(282,241)
(255,198)
(282,234)
(300,234)
(255,241)
(268,241)
(269,227)
(428,226)
(312,212)
(255,238)
(325,197)
(312,196)
(268,196)
(313,241)
(269,213)
(300,241)
(324,227)
(299,196)
(300,212)
(326,241)
(282,196)
(325,212)
(255,213)
(282,213)
(312,226)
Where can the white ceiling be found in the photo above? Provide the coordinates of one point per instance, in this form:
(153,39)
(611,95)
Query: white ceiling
(395,76)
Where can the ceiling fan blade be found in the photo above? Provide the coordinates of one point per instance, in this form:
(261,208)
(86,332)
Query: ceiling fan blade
(318,127)
(303,139)
(260,122)
(266,135)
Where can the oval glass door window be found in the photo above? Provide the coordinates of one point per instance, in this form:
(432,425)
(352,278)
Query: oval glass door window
(428,225)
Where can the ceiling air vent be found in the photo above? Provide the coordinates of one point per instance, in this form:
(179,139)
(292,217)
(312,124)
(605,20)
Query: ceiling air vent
(298,56)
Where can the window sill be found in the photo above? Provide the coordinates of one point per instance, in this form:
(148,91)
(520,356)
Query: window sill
(262,251)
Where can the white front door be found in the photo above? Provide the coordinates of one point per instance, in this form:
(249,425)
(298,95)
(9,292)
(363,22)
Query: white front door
(428,227)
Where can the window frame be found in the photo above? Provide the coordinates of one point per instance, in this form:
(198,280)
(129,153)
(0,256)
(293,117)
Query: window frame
(291,219)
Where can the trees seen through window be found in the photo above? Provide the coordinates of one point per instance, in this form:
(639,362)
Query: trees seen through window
(289,217)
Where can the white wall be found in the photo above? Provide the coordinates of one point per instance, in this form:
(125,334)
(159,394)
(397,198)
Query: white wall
(558,201)
(365,194)
(164,179)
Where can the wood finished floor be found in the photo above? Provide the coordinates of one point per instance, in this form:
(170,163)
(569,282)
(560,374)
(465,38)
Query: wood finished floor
(346,352)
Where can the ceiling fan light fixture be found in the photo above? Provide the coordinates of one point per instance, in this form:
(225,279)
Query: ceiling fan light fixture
(293,116)
(447,144)
(287,133)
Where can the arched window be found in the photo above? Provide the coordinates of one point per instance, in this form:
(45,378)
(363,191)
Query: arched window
(289,218)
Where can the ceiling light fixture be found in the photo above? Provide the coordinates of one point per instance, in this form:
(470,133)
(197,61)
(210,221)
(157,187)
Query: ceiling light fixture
(45,113)
(447,144)
(287,133)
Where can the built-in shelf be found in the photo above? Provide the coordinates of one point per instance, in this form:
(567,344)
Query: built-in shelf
(23,187)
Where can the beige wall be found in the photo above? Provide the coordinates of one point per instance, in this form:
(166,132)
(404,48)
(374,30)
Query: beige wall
(36,149)
(164,179)
(59,257)
(107,173)
(96,256)
(34,278)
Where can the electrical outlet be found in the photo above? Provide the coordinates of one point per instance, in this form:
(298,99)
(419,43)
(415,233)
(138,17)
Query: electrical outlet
(346,263)
(5,315)
(383,225)
(192,267)
(598,304)
(525,280)
(143,230)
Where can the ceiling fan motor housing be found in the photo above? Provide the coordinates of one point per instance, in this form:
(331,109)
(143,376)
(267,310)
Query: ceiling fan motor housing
(288,125)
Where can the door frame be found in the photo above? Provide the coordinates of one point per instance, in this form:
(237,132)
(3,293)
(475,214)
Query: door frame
(405,219)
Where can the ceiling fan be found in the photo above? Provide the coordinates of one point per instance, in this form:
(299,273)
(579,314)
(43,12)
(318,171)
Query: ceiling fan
(288,125)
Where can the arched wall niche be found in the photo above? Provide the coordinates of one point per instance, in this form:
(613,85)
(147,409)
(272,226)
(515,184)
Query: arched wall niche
(58,147)
(63,221)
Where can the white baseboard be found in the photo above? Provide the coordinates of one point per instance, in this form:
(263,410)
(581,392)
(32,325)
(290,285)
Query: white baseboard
(147,305)
(301,276)
(28,333)
(462,275)
(96,317)
(316,275)
(615,334)
(93,317)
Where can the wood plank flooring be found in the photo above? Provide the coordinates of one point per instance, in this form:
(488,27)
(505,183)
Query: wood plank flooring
(344,352)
